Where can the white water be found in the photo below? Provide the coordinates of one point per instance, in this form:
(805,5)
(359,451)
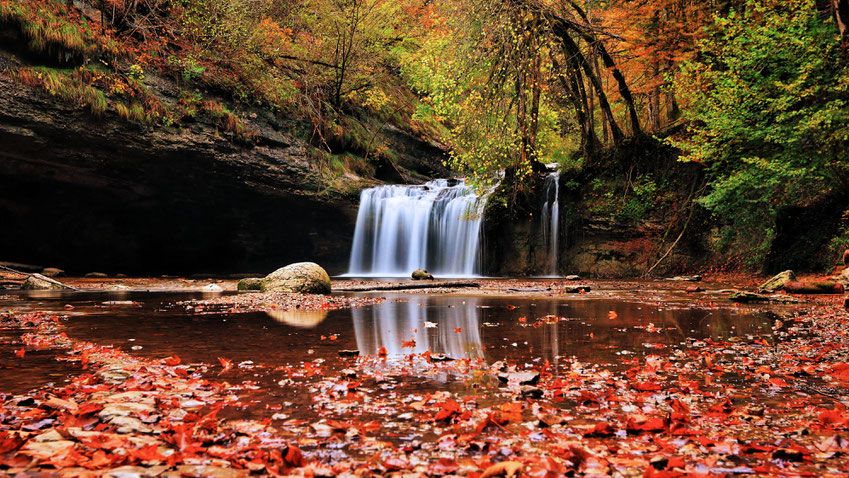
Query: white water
(403,228)
(551,220)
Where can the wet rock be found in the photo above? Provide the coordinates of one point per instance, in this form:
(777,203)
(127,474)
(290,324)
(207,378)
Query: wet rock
(40,282)
(303,277)
(693,289)
(746,297)
(212,288)
(117,287)
(440,358)
(777,282)
(250,283)
(522,378)
(692,278)
(530,391)
(572,277)
(576,289)
(349,353)
(421,274)
(53,272)
(97,275)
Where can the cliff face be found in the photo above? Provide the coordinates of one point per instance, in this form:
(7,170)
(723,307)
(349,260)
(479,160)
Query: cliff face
(84,193)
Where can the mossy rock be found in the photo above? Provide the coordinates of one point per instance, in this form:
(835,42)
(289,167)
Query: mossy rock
(250,283)
(778,282)
(421,274)
(40,282)
(303,277)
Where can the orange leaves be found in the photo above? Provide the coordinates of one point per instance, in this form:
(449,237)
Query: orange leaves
(601,429)
(612,315)
(172,361)
(20,353)
(450,408)
(9,442)
(647,386)
(457,330)
(638,423)
(408,344)
(834,418)
(227,364)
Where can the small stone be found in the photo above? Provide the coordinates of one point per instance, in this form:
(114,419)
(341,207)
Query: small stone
(250,283)
(53,272)
(692,278)
(572,277)
(440,358)
(212,288)
(421,274)
(522,378)
(692,289)
(531,391)
(97,275)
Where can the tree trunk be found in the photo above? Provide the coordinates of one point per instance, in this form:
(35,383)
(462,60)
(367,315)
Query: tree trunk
(654,104)
(624,91)
(571,50)
(841,15)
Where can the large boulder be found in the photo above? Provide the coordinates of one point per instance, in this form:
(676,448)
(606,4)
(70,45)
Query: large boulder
(40,282)
(778,282)
(304,277)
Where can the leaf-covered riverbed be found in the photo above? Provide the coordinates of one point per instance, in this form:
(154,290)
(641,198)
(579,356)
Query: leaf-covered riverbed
(660,384)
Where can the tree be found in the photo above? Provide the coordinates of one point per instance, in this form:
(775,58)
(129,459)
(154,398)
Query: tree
(769,112)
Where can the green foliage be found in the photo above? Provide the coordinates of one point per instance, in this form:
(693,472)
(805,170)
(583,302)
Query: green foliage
(632,203)
(769,114)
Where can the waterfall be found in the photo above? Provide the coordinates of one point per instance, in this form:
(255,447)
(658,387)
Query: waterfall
(551,220)
(435,226)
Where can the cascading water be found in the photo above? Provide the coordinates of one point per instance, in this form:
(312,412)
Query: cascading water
(551,219)
(435,226)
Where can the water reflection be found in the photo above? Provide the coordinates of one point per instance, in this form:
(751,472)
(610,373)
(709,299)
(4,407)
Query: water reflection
(453,330)
(299,318)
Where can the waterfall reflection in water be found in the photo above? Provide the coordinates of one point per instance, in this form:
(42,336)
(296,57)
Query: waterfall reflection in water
(389,325)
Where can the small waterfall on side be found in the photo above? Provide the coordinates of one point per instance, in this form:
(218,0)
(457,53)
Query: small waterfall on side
(435,226)
(550,220)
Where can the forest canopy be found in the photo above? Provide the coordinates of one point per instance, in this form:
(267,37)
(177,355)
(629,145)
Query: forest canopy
(751,92)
